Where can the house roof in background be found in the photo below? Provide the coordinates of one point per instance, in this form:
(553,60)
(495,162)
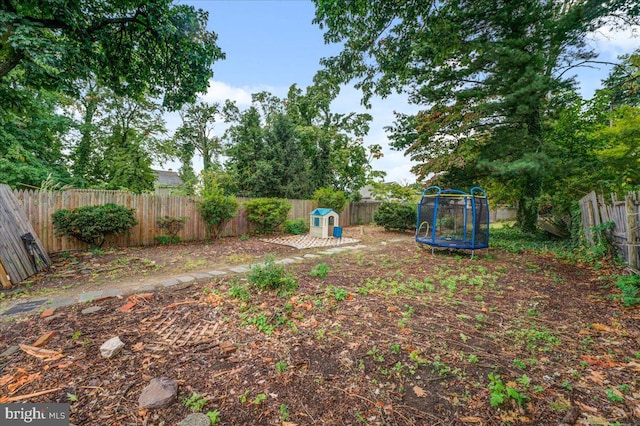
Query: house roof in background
(167,177)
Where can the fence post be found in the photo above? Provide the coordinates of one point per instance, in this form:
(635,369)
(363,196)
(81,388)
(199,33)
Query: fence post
(632,229)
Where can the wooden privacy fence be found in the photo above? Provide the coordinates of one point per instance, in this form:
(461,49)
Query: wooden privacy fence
(625,214)
(40,205)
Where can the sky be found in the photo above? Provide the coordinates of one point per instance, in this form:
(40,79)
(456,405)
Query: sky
(272,44)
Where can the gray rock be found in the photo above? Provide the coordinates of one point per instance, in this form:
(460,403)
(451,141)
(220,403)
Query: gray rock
(111,347)
(186,279)
(159,393)
(200,275)
(239,269)
(285,261)
(9,351)
(170,283)
(311,255)
(195,419)
(91,310)
(216,272)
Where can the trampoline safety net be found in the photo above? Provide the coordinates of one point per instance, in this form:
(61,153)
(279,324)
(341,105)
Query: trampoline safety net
(453,218)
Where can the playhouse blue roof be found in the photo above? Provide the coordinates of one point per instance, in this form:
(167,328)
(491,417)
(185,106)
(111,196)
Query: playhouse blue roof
(321,212)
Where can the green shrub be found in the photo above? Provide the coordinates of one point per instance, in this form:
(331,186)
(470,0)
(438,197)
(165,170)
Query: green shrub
(295,227)
(267,213)
(330,198)
(395,216)
(630,287)
(171,225)
(163,240)
(92,224)
(271,276)
(216,210)
(320,271)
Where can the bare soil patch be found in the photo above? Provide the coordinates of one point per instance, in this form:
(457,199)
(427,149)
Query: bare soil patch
(393,335)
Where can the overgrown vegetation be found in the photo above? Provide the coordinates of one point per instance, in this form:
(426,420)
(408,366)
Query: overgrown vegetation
(172,226)
(216,210)
(267,213)
(629,285)
(398,216)
(295,227)
(330,198)
(272,276)
(92,224)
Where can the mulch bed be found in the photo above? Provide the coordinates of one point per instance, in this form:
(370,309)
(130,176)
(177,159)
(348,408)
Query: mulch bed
(392,335)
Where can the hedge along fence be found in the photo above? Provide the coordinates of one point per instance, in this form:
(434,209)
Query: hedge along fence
(40,205)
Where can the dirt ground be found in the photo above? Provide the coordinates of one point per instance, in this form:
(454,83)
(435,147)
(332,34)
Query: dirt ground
(387,335)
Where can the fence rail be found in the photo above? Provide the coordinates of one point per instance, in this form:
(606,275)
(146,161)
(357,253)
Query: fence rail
(625,214)
(40,205)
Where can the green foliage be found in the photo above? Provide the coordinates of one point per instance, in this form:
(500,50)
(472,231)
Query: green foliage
(291,147)
(118,140)
(216,210)
(295,227)
(281,367)
(321,270)
(394,192)
(267,213)
(485,97)
(613,395)
(395,216)
(500,393)
(214,417)
(156,47)
(271,276)
(195,402)
(164,240)
(196,134)
(172,226)
(330,198)
(338,293)
(92,224)
(629,285)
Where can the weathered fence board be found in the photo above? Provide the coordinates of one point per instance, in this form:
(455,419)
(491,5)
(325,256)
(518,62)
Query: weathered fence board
(626,217)
(16,261)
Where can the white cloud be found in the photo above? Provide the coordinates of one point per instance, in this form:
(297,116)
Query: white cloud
(614,42)
(220,92)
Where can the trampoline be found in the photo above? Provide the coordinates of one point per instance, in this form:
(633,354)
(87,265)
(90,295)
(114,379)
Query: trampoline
(453,219)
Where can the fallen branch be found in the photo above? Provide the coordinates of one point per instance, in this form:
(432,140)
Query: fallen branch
(27,396)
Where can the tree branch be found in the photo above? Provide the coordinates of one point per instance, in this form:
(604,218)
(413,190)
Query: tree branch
(583,63)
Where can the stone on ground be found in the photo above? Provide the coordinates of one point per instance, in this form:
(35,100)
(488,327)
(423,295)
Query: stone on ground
(159,393)
(111,347)
(195,419)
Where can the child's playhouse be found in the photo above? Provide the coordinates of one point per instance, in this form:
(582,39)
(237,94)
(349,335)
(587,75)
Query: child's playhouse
(324,224)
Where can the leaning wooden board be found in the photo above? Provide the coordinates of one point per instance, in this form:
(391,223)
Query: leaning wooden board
(16,260)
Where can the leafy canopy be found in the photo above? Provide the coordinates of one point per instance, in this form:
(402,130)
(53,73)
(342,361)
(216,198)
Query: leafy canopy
(154,47)
(484,72)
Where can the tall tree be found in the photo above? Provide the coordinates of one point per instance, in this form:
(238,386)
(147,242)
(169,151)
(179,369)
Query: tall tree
(133,47)
(116,141)
(290,147)
(246,148)
(31,136)
(196,134)
(483,70)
